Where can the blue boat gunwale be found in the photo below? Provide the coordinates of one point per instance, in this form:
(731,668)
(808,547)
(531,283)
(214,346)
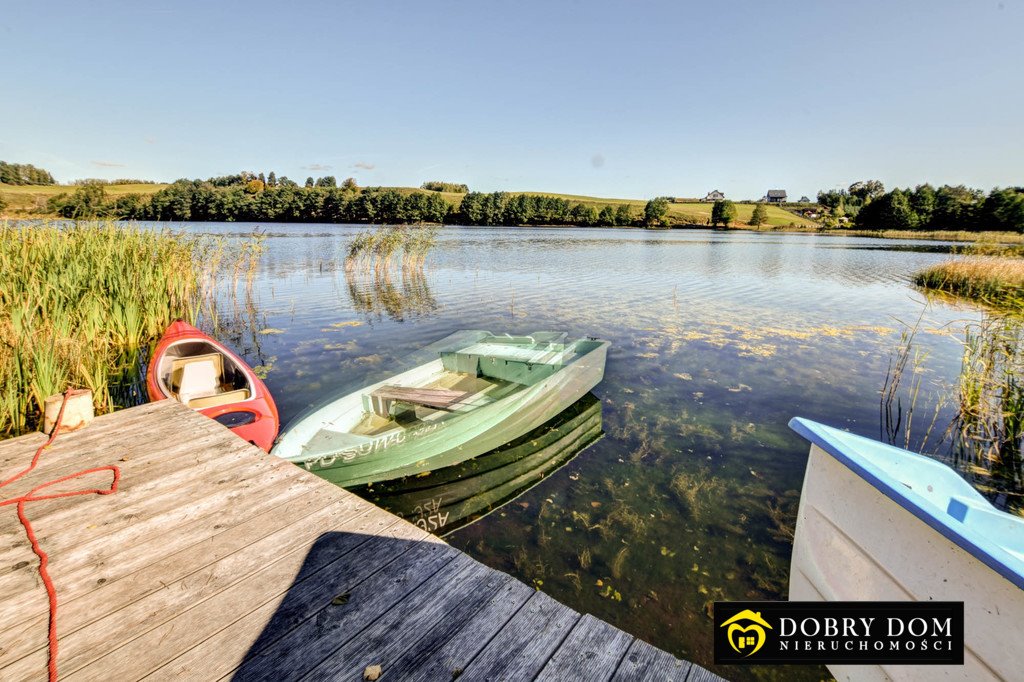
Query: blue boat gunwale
(985,550)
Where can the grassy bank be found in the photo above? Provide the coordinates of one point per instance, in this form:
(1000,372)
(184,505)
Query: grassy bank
(79,303)
(991,280)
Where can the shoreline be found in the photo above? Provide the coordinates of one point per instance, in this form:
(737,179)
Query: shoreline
(988,236)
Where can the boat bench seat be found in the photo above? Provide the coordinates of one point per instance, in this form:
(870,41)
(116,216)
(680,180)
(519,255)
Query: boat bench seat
(383,399)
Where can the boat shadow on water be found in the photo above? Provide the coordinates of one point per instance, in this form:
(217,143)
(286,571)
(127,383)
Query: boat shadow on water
(450,498)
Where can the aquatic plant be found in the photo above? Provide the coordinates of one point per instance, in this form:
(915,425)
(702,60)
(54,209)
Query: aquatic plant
(893,423)
(986,431)
(80,302)
(376,249)
(996,281)
(696,491)
(989,423)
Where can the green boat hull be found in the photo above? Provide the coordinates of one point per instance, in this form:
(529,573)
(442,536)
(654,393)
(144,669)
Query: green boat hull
(530,394)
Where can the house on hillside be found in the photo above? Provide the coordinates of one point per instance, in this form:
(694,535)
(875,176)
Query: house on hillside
(775,196)
(714,195)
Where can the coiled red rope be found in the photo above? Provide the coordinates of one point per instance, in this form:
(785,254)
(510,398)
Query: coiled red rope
(33,496)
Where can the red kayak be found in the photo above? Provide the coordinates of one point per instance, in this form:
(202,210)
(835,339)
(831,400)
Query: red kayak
(195,370)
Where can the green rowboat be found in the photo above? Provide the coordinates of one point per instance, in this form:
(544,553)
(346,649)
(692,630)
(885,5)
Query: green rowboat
(475,392)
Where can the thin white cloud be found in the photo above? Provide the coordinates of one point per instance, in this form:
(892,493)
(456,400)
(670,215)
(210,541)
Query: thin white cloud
(317,167)
(364,165)
(107,164)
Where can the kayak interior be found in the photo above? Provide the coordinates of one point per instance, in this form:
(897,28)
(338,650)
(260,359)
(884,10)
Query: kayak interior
(198,374)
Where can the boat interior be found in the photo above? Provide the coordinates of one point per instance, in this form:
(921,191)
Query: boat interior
(200,375)
(479,374)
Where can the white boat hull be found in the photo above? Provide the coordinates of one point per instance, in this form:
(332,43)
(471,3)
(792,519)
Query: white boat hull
(853,543)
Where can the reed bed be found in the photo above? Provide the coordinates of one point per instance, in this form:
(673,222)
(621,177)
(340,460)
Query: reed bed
(79,303)
(990,237)
(989,423)
(996,281)
(377,250)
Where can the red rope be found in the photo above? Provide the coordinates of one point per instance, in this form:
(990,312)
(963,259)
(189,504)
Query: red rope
(31,496)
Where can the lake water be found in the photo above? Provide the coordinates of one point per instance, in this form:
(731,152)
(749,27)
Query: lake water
(718,339)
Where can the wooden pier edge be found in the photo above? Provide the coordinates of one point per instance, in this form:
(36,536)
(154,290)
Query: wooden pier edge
(216,561)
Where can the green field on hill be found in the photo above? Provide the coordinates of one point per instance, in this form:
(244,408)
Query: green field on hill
(694,212)
(25,198)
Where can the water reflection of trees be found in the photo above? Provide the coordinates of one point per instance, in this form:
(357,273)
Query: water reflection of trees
(985,432)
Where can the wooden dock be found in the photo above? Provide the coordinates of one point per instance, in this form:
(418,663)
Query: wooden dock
(215,560)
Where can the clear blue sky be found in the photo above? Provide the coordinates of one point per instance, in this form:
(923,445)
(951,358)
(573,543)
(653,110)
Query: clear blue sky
(617,99)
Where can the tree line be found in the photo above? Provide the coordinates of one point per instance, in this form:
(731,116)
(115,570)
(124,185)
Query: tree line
(925,207)
(24,174)
(248,197)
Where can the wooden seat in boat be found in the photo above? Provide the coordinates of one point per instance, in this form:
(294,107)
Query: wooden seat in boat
(384,397)
(218,399)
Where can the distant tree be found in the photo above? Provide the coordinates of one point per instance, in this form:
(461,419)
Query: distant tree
(349,184)
(655,211)
(327,181)
(1003,210)
(24,174)
(438,186)
(583,214)
(867,190)
(922,201)
(3,203)
(606,216)
(956,207)
(309,182)
(624,215)
(254,186)
(284,181)
(723,212)
(262,178)
(88,201)
(759,216)
(272,179)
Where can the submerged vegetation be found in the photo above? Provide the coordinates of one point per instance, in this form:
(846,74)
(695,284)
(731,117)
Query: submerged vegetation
(80,303)
(994,281)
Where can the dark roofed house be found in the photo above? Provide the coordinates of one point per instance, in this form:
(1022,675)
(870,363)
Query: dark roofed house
(714,195)
(776,196)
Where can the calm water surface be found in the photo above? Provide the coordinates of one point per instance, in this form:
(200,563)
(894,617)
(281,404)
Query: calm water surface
(718,339)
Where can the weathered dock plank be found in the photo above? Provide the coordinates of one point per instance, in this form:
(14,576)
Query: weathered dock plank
(215,560)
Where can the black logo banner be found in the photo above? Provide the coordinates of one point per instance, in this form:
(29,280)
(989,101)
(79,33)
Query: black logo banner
(849,633)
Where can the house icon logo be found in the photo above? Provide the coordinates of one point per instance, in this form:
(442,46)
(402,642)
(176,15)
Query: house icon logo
(746,632)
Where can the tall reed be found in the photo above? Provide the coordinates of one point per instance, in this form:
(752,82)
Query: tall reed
(80,302)
(997,281)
